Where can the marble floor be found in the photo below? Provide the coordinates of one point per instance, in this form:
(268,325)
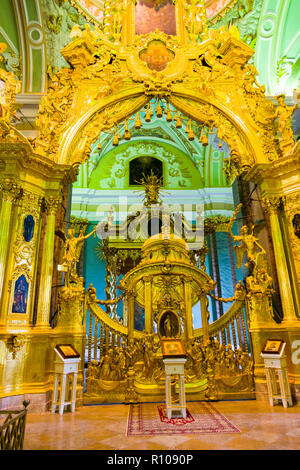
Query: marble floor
(103,427)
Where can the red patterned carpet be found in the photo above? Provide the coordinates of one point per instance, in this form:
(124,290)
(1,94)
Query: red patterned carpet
(146,419)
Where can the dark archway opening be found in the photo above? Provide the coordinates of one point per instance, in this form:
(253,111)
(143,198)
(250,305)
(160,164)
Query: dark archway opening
(142,166)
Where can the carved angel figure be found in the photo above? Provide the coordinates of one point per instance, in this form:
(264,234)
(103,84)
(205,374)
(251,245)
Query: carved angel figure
(248,244)
(72,249)
(284,114)
(249,79)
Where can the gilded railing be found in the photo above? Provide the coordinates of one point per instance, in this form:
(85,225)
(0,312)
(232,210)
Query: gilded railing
(12,430)
(105,332)
(230,328)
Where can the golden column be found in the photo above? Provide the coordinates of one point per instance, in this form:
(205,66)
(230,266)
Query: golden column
(11,192)
(189,331)
(292,208)
(130,297)
(204,314)
(148,304)
(270,205)
(43,310)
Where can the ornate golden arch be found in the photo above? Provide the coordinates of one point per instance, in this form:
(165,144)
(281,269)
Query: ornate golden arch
(209,82)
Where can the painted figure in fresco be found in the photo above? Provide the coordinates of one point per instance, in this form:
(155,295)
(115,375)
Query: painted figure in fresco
(72,249)
(168,327)
(20,294)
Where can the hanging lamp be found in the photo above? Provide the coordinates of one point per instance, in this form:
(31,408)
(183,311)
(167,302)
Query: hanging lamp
(127,132)
(138,122)
(158,110)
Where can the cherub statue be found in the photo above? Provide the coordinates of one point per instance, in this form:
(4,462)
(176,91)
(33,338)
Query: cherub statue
(72,249)
(284,114)
(248,243)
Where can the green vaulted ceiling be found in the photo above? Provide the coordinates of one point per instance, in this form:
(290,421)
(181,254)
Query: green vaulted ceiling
(22,30)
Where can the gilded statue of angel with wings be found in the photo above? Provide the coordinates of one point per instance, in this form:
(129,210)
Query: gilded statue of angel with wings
(248,244)
(72,249)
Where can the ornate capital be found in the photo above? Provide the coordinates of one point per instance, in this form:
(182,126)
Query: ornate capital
(52,204)
(271,204)
(11,191)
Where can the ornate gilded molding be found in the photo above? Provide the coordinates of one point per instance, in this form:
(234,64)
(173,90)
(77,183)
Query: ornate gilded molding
(11,191)
(31,204)
(211,83)
(8,104)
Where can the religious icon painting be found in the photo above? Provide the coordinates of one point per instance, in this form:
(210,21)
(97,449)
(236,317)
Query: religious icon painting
(273,346)
(20,295)
(172,347)
(296,225)
(28,228)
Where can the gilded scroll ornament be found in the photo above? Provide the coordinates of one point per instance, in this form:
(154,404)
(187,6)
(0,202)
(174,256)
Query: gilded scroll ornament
(31,203)
(54,111)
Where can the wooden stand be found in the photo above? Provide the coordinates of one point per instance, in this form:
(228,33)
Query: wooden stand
(277,363)
(175,366)
(65,368)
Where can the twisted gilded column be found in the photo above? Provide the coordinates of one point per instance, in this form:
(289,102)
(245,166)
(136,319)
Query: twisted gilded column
(270,205)
(11,193)
(43,310)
